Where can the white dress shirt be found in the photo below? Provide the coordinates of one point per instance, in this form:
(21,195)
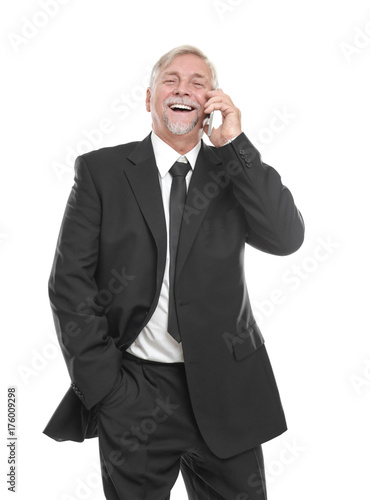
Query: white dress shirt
(154,342)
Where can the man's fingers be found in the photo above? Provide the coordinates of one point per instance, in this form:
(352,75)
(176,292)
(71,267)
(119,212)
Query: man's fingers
(219,101)
(231,117)
(218,93)
(219,105)
(215,92)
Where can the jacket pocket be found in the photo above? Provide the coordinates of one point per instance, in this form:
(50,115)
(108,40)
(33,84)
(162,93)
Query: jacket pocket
(115,391)
(247,342)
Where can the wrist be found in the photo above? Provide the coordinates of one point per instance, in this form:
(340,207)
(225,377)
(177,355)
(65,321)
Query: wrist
(230,139)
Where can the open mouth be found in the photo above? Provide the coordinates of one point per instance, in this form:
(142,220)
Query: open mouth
(181,108)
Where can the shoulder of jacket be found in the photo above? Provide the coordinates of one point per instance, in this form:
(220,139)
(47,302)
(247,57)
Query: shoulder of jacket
(109,153)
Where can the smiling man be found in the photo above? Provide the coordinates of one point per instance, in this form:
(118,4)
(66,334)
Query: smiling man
(168,366)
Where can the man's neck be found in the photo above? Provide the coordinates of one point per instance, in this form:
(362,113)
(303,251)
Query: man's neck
(181,143)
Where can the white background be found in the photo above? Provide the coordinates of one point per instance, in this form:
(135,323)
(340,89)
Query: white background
(307,61)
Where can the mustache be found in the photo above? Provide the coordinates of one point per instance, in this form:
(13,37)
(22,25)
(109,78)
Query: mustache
(182,100)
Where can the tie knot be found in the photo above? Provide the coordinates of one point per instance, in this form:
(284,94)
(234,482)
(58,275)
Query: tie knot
(179,169)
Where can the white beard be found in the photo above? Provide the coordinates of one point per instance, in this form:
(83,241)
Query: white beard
(179,128)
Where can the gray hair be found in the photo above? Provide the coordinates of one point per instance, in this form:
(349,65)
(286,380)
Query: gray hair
(167,58)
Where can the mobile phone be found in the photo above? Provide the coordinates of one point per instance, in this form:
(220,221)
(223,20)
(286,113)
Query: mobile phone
(210,122)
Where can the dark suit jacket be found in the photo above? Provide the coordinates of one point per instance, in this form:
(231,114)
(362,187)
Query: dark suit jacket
(108,271)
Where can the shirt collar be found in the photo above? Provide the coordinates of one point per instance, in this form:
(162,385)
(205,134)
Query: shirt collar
(165,156)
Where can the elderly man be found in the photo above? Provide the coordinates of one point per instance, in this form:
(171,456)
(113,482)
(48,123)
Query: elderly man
(168,366)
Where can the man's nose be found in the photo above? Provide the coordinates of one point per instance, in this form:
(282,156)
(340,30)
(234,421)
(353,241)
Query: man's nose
(182,89)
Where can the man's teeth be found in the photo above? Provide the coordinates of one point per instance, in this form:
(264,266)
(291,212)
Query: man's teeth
(181,106)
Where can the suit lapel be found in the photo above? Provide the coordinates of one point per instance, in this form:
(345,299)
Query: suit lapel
(196,204)
(142,175)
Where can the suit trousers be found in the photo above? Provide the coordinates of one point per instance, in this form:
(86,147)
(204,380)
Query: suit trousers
(148,433)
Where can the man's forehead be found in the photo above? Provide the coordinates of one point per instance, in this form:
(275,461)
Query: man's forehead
(188,63)
(175,72)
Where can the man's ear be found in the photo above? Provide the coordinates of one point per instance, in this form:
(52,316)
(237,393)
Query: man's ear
(147,100)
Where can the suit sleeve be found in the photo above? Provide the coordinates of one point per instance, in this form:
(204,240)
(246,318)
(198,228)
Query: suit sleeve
(92,358)
(275,224)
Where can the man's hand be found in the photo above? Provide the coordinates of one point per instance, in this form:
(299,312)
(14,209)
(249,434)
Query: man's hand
(231,117)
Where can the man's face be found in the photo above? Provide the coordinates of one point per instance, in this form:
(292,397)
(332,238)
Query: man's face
(177,98)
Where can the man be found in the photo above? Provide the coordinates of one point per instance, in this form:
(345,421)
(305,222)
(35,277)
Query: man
(168,365)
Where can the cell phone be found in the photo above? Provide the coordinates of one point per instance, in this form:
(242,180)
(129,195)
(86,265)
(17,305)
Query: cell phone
(210,122)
